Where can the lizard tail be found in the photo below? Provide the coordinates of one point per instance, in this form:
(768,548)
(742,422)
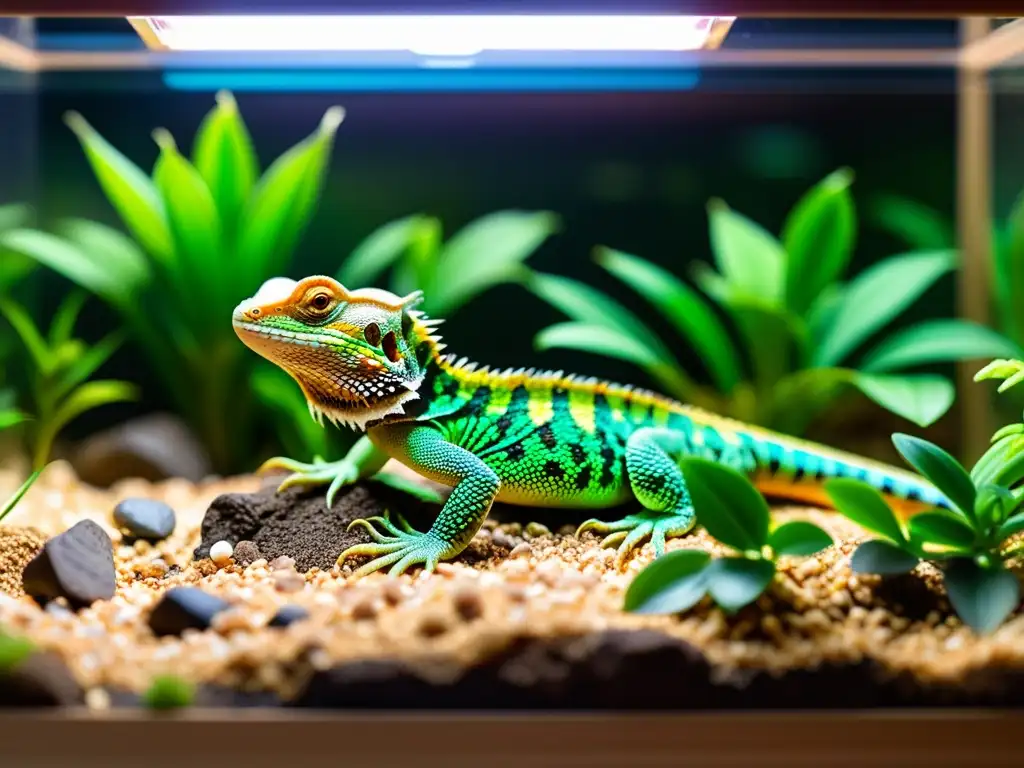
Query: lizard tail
(797,471)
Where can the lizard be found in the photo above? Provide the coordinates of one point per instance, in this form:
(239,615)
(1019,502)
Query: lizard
(370,360)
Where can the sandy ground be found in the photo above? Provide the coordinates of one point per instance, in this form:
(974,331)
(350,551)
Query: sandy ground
(551,584)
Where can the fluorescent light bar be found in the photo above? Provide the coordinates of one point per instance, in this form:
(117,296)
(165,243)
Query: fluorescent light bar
(437,35)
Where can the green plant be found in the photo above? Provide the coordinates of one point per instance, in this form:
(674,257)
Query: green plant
(733,512)
(13,651)
(167,692)
(207,232)
(61,366)
(777,329)
(16,497)
(486,252)
(14,268)
(969,543)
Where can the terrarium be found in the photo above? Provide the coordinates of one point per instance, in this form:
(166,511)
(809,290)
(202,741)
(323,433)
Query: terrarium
(504,361)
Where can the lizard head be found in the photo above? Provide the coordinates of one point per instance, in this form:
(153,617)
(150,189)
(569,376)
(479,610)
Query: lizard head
(353,353)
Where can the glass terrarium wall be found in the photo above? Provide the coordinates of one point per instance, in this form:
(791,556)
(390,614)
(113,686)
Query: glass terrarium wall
(706,164)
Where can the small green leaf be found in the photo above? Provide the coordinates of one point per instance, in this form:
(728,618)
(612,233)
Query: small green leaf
(992,506)
(13,651)
(865,506)
(381,249)
(168,692)
(982,597)
(734,582)
(799,538)
(12,502)
(90,395)
(922,398)
(596,339)
(86,365)
(9,417)
(488,251)
(916,224)
(672,583)
(223,155)
(750,258)
(684,307)
(882,558)
(937,341)
(129,189)
(1002,464)
(62,326)
(731,509)
(30,337)
(283,201)
(1011,527)
(941,528)
(819,236)
(877,296)
(940,468)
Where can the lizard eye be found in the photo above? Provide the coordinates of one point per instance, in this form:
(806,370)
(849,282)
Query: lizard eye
(391,347)
(320,301)
(372,334)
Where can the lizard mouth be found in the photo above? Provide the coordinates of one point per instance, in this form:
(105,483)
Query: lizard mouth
(338,386)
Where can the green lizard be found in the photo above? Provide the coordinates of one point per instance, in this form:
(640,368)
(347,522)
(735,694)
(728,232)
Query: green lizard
(370,360)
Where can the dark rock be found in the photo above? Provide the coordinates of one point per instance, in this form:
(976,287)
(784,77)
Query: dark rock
(77,565)
(246,553)
(143,518)
(184,608)
(207,696)
(288,614)
(154,447)
(40,680)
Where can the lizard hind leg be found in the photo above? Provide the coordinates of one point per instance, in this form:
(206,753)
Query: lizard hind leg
(652,455)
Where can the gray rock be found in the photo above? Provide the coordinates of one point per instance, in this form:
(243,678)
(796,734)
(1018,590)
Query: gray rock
(154,447)
(184,608)
(144,518)
(77,565)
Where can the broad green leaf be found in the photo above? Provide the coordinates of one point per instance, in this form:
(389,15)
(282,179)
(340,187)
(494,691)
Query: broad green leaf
(116,253)
(993,506)
(90,395)
(70,261)
(735,582)
(818,237)
(711,282)
(672,583)
(381,249)
(684,307)
(128,188)
(224,156)
(769,340)
(878,295)
(982,597)
(799,538)
(919,226)
(822,313)
(283,201)
(86,365)
(32,340)
(865,506)
(727,504)
(488,251)
(940,468)
(920,397)
(937,341)
(750,258)
(598,340)
(14,216)
(12,502)
(882,558)
(941,528)
(1011,527)
(9,417)
(1002,464)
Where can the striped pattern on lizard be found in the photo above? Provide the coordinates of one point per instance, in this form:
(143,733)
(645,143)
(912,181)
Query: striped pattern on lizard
(368,359)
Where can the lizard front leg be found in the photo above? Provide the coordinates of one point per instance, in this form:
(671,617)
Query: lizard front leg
(652,466)
(363,460)
(474,487)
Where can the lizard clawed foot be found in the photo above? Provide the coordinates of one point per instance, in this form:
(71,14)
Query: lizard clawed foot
(401,547)
(319,472)
(633,529)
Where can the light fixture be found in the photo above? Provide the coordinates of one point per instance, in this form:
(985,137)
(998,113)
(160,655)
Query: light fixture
(434,35)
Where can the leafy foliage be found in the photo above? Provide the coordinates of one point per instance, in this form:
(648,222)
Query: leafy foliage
(167,692)
(971,542)
(486,252)
(780,333)
(61,368)
(13,651)
(17,496)
(13,269)
(205,233)
(736,514)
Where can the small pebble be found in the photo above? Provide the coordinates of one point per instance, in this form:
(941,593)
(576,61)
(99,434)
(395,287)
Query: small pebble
(246,553)
(501,539)
(143,518)
(282,563)
(289,581)
(77,565)
(468,603)
(521,550)
(221,552)
(288,614)
(537,529)
(184,608)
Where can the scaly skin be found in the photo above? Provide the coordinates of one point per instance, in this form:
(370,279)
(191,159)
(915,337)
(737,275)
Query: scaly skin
(368,359)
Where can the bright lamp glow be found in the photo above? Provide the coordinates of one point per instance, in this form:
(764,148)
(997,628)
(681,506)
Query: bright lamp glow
(436,35)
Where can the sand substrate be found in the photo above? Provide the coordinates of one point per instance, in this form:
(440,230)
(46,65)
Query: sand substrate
(529,616)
